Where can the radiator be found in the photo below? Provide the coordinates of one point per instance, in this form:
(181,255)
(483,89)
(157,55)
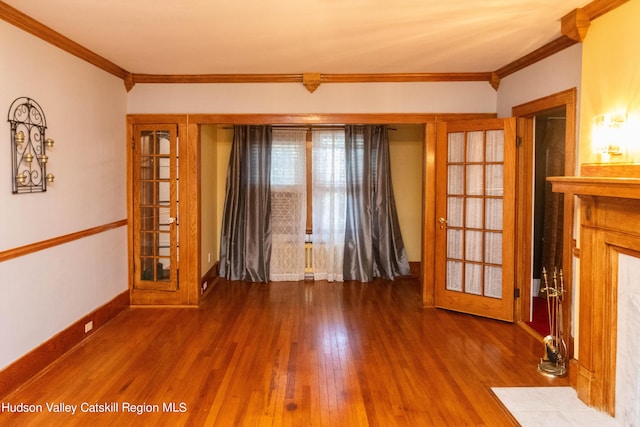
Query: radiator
(308,261)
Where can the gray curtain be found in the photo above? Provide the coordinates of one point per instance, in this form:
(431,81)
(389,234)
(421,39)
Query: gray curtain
(245,242)
(373,242)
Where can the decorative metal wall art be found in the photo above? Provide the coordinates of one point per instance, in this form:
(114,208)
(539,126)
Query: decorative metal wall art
(28,147)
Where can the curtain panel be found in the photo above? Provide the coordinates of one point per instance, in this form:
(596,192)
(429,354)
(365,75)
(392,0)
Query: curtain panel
(329,204)
(245,242)
(373,241)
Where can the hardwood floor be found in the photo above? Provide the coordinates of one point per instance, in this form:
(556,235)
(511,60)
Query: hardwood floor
(288,354)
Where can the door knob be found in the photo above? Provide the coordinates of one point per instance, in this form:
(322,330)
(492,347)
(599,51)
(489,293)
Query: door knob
(442,222)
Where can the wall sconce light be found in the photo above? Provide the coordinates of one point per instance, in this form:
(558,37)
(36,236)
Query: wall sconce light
(28,146)
(608,134)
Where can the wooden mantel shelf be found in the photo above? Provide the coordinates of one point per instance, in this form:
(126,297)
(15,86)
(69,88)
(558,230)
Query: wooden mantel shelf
(626,188)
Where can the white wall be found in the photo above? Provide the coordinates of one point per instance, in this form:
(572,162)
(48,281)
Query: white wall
(283,98)
(85,108)
(554,74)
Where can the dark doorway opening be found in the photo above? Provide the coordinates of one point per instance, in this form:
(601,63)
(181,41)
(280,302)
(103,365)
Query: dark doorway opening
(548,207)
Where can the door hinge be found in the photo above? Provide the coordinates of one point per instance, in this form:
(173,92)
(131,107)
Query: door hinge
(516,292)
(518,141)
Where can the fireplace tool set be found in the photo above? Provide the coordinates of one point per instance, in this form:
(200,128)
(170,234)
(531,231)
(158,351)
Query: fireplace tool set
(553,363)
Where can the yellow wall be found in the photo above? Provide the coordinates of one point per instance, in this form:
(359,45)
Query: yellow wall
(405,151)
(208,232)
(215,150)
(611,78)
(223,148)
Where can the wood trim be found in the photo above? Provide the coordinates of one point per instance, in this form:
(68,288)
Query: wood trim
(142,119)
(188,290)
(30,25)
(575,25)
(624,188)
(537,55)
(60,240)
(546,103)
(597,8)
(428,248)
(322,78)
(415,268)
(190,235)
(524,217)
(526,112)
(188,293)
(209,277)
(309,178)
(612,170)
(216,78)
(130,150)
(406,77)
(39,358)
(324,118)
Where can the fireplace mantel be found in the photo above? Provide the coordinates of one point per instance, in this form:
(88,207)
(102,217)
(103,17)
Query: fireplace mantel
(609,218)
(626,188)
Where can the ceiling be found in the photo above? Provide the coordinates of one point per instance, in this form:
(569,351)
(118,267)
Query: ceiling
(302,36)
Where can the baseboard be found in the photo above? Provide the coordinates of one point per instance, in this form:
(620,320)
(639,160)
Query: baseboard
(573,373)
(39,358)
(415,268)
(207,280)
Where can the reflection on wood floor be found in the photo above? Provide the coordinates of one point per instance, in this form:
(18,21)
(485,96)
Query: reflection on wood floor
(288,354)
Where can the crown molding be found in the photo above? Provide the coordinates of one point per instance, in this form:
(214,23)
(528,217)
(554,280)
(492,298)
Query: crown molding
(574,27)
(310,80)
(30,25)
(597,8)
(537,55)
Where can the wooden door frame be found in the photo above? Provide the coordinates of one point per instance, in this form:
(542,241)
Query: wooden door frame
(188,214)
(190,183)
(524,204)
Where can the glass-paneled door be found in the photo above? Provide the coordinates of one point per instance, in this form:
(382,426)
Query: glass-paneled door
(155,203)
(475,202)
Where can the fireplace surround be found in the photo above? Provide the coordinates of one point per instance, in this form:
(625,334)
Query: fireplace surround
(609,230)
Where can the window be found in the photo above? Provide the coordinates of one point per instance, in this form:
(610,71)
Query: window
(288,204)
(308,196)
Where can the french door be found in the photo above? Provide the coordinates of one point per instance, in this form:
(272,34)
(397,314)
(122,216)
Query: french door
(475,211)
(155,207)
